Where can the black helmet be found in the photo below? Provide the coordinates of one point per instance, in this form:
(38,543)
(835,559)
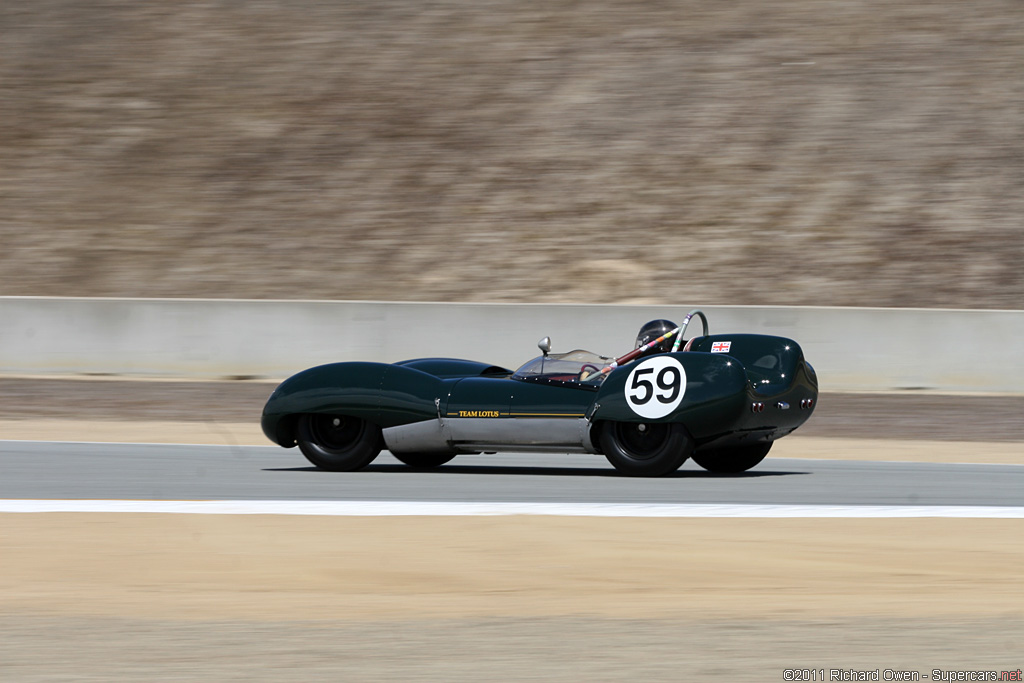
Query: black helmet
(651,331)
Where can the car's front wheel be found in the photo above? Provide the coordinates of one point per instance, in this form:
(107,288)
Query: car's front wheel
(645,449)
(424,461)
(732,460)
(338,442)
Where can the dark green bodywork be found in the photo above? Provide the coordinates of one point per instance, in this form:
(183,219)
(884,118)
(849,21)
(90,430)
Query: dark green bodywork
(716,408)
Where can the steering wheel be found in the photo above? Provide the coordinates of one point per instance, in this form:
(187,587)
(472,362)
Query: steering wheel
(585,373)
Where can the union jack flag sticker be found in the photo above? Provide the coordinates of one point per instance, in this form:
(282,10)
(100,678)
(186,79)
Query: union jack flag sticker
(721,347)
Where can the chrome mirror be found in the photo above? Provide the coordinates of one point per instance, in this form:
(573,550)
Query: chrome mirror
(544,345)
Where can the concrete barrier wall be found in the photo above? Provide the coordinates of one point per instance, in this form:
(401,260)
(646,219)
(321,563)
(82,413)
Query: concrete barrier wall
(851,348)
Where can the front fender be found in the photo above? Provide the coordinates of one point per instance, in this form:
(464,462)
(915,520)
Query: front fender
(386,395)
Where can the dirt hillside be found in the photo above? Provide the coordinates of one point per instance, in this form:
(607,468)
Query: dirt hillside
(754,152)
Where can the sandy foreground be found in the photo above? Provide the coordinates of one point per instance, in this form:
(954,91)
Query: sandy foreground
(260,567)
(267,598)
(95,597)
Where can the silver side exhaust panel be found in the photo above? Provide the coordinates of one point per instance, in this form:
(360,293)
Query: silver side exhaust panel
(473,435)
(429,436)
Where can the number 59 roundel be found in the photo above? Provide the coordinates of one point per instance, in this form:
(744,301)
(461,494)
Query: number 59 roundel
(656,386)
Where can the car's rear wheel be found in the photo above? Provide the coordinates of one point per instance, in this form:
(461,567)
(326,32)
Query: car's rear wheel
(645,449)
(338,442)
(424,461)
(732,460)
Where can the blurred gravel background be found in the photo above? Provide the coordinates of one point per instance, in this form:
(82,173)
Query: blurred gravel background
(758,152)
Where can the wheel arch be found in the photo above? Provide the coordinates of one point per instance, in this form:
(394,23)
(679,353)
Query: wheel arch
(382,394)
(672,445)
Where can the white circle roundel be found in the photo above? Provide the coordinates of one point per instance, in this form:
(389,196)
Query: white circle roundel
(656,386)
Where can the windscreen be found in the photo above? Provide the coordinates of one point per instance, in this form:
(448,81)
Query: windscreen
(575,366)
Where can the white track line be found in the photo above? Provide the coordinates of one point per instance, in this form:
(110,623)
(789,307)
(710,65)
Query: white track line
(417,509)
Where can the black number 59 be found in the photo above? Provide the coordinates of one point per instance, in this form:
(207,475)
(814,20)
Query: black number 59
(668,383)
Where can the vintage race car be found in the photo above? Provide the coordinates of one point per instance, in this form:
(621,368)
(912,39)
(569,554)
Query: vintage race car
(721,399)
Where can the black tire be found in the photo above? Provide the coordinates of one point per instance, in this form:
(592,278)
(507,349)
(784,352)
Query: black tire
(424,461)
(337,442)
(645,449)
(732,460)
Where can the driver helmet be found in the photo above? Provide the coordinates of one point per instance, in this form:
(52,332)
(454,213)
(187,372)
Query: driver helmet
(651,331)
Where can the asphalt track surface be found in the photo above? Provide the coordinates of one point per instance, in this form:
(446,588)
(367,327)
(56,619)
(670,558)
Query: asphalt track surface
(79,471)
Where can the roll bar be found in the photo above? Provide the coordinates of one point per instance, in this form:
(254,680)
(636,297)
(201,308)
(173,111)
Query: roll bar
(668,335)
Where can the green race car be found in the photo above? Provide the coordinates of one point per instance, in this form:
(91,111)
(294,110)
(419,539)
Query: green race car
(721,399)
